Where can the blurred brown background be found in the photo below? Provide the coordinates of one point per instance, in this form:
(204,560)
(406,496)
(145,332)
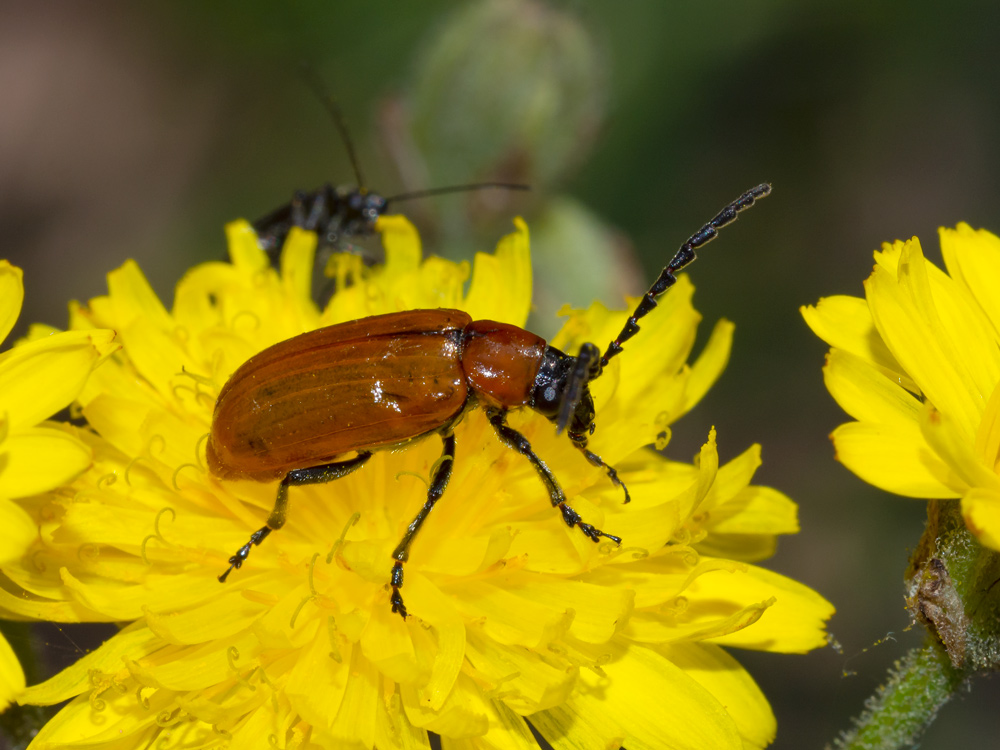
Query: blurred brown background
(137,131)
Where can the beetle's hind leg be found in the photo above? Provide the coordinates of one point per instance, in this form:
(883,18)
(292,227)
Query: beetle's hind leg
(313,475)
(518,442)
(402,552)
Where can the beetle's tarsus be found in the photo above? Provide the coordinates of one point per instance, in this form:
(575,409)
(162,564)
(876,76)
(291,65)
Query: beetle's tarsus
(237,560)
(580,441)
(397,603)
(572,518)
(396,580)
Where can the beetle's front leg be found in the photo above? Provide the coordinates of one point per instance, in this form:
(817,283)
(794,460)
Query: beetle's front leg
(313,475)
(580,441)
(518,442)
(402,552)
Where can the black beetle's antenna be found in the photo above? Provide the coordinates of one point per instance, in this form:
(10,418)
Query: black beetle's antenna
(315,82)
(457,189)
(684,256)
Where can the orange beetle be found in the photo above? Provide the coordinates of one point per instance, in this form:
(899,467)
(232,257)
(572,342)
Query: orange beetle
(290,411)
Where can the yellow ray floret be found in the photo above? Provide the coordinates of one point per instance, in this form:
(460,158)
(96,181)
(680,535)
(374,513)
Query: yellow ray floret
(917,364)
(514,615)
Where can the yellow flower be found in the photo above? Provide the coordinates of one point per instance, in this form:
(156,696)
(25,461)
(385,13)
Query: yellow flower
(512,613)
(37,379)
(917,364)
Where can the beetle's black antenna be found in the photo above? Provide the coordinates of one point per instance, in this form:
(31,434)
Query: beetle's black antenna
(315,82)
(457,189)
(684,256)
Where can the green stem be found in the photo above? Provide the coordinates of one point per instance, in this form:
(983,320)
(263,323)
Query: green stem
(897,715)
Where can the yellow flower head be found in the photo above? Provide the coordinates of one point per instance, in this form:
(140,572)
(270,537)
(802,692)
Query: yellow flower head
(917,364)
(512,613)
(37,379)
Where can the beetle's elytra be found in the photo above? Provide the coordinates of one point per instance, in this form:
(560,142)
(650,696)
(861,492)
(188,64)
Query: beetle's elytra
(299,410)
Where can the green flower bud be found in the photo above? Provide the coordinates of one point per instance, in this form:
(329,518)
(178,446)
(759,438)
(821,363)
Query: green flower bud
(506,90)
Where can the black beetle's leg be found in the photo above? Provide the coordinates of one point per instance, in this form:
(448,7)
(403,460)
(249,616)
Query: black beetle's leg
(518,442)
(318,210)
(298,208)
(598,461)
(402,552)
(314,475)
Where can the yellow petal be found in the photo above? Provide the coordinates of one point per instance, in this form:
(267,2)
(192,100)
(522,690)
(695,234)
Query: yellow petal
(965,331)
(794,624)
(464,713)
(896,459)
(755,510)
(221,617)
(393,730)
(710,363)
(109,720)
(386,643)
(11,296)
(317,683)
(950,444)
(449,634)
(911,319)
(244,251)
(133,298)
(355,720)
(19,530)
(720,674)
(741,547)
(507,731)
(501,283)
(981,510)
(403,250)
(297,260)
(11,675)
(39,378)
(510,619)
(38,459)
(641,700)
(597,611)
(846,323)
(528,680)
(134,641)
(864,391)
(987,448)
(972,257)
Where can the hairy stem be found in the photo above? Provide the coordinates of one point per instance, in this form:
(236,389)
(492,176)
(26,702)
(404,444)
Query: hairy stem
(897,715)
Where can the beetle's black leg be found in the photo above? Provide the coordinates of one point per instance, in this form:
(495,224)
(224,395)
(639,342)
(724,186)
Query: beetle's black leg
(598,461)
(318,210)
(313,475)
(402,552)
(298,208)
(518,442)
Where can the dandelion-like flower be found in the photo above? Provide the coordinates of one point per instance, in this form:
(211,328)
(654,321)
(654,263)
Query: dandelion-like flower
(917,364)
(512,613)
(37,380)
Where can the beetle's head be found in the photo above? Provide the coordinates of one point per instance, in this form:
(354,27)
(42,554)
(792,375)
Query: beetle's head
(561,393)
(366,206)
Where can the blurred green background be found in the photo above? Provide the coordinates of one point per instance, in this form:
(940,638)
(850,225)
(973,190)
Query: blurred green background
(137,130)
